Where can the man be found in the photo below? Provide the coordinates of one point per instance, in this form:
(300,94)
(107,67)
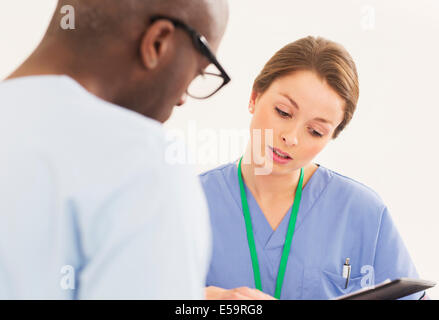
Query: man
(89,207)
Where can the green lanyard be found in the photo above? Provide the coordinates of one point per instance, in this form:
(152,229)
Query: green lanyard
(288,238)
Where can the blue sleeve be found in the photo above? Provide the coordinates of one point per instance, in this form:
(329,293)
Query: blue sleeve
(392,259)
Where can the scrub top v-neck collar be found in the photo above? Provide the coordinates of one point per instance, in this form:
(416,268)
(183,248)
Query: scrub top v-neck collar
(268,237)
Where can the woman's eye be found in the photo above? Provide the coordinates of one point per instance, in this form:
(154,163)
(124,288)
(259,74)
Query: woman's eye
(282,113)
(316,133)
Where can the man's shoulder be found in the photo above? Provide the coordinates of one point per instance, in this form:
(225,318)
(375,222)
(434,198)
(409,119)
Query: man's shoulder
(55,98)
(58,110)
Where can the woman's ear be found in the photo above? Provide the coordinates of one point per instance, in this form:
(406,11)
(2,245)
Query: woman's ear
(252,104)
(155,43)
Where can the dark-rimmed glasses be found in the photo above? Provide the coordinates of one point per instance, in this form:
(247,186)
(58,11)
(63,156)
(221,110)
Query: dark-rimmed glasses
(214,77)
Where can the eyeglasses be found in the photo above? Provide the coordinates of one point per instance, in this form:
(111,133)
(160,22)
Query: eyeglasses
(214,77)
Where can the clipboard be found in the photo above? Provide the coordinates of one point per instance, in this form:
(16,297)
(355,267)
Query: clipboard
(389,290)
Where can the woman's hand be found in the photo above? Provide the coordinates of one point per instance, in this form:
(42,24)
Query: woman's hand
(242,293)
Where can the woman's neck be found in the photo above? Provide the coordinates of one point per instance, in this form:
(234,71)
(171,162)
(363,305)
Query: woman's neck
(273,187)
(274,193)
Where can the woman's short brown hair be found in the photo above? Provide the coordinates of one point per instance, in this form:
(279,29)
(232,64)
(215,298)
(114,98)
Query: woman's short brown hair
(327,59)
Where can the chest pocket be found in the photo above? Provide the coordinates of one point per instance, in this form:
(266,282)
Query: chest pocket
(323,284)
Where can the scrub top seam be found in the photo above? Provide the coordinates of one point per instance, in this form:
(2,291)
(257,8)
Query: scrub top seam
(324,189)
(378,235)
(356,182)
(220,168)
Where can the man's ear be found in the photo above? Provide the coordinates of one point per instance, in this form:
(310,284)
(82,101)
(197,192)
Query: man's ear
(156,42)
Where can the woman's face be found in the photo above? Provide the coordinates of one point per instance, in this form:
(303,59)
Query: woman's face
(303,112)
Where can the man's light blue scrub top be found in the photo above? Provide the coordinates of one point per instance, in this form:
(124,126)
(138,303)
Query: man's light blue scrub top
(85,210)
(338,218)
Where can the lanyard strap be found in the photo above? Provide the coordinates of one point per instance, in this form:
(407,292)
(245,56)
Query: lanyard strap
(288,238)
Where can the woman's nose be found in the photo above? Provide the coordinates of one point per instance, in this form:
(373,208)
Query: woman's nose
(290,139)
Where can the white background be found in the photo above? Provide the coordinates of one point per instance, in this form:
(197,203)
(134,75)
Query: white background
(392,143)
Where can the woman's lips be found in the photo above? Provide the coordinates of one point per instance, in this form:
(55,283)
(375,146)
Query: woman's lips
(281,152)
(274,152)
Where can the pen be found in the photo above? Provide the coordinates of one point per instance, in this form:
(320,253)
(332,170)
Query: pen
(347,271)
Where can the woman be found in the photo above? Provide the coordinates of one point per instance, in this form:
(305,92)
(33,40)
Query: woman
(307,226)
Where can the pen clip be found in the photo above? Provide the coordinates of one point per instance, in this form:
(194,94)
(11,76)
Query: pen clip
(347,271)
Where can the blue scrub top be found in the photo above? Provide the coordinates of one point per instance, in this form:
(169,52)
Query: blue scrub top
(338,218)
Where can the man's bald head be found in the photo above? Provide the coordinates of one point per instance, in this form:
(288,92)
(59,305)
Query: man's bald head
(99,21)
(120,55)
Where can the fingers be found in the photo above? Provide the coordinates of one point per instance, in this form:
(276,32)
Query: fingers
(234,295)
(241,293)
(254,294)
(214,293)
